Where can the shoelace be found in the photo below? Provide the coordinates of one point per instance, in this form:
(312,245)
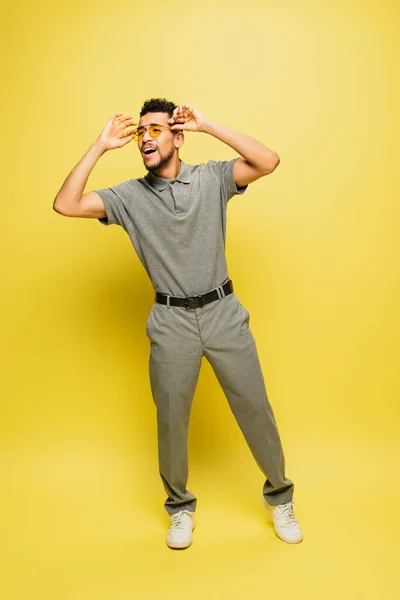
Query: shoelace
(287,513)
(181,520)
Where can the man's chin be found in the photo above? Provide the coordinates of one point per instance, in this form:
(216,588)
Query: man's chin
(152,167)
(155,166)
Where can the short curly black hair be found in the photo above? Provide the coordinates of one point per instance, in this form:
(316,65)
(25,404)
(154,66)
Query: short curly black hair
(158,105)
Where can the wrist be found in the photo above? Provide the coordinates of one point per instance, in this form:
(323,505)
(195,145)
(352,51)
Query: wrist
(99,146)
(207,126)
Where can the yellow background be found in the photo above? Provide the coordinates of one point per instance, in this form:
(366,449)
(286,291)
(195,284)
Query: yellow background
(312,250)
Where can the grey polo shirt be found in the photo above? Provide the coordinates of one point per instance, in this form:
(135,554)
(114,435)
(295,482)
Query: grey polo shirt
(177,226)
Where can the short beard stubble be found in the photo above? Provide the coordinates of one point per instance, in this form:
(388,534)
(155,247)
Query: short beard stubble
(163,161)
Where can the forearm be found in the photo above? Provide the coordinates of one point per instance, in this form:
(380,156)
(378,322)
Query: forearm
(254,152)
(73,187)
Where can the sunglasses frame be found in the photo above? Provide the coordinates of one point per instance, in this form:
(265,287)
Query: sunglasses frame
(137,136)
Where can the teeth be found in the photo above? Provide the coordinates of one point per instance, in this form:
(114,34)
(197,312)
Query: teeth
(149,150)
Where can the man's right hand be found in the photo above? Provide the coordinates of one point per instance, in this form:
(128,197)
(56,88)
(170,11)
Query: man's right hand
(117,132)
(70,200)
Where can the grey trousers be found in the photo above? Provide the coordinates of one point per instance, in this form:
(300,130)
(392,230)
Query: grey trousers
(179,338)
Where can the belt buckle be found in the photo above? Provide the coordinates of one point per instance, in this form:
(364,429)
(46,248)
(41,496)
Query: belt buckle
(194,302)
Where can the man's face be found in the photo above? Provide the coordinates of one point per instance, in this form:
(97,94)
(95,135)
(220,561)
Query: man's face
(164,146)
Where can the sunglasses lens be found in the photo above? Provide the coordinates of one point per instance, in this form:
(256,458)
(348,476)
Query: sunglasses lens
(154,131)
(138,133)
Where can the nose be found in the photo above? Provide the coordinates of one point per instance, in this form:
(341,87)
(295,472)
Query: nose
(146,136)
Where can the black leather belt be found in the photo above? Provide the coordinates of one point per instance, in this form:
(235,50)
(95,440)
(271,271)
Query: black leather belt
(196,301)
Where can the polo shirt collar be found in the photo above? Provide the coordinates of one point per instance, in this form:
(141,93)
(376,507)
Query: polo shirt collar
(185,176)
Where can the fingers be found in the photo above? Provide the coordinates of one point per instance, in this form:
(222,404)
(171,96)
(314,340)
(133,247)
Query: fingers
(117,119)
(127,139)
(182,114)
(123,128)
(172,119)
(121,119)
(114,118)
(122,122)
(125,132)
(127,122)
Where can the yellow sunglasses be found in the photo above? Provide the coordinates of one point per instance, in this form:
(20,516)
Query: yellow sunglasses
(154,130)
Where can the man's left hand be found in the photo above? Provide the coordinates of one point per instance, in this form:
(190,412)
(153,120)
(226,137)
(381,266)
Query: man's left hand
(186,118)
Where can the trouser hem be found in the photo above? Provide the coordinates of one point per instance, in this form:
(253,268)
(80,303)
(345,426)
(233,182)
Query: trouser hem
(171,510)
(276,499)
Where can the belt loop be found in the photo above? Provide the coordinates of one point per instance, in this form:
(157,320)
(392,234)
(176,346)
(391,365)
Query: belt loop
(220,291)
(168,302)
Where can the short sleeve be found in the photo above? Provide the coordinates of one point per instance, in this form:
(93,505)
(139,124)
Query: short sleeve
(116,203)
(224,171)
(229,187)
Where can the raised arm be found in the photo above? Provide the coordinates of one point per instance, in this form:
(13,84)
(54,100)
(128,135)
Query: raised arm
(256,159)
(70,200)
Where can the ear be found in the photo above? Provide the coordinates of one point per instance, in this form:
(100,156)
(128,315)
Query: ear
(179,139)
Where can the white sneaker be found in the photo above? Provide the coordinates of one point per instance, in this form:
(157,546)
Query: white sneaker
(180,532)
(286,526)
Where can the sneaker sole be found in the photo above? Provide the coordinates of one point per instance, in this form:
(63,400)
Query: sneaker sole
(179,546)
(265,505)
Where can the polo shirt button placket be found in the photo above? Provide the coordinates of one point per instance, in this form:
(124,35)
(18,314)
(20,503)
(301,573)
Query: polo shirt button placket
(177,208)
(171,192)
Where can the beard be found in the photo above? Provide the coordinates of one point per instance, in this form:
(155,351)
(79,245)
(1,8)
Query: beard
(163,161)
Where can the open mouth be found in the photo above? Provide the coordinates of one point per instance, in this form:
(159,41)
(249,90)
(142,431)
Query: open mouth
(149,151)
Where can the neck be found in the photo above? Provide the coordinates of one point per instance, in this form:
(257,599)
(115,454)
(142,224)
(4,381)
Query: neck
(171,169)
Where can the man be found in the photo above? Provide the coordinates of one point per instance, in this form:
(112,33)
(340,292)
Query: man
(175,217)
